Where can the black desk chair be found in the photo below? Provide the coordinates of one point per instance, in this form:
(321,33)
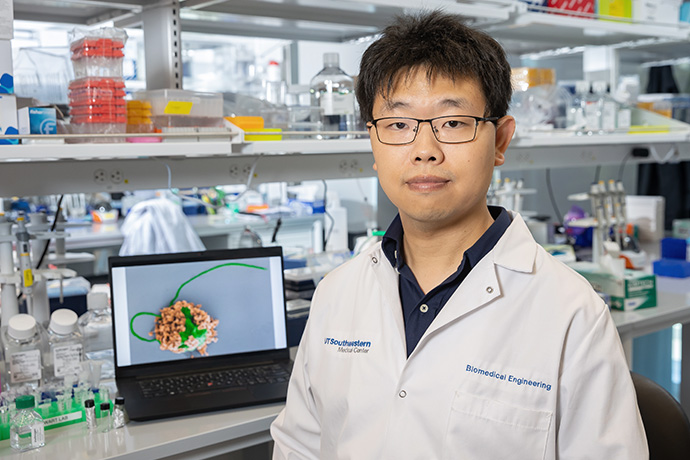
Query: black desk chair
(667,426)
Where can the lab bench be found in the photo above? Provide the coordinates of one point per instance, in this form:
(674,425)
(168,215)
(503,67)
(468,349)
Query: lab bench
(216,232)
(211,434)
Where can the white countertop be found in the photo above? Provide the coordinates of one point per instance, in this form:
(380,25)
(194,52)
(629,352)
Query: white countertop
(189,437)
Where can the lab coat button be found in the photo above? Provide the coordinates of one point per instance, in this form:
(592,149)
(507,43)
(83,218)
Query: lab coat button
(402,393)
(489,289)
(375,260)
(424,308)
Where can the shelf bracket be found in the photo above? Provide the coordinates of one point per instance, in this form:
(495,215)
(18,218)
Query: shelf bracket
(162,45)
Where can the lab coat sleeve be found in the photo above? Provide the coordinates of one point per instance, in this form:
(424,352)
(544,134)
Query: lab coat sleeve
(598,413)
(297,430)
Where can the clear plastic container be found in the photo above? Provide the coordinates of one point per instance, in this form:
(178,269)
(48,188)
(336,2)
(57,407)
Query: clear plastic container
(24,348)
(333,91)
(97,53)
(26,426)
(96,326)
(172,108)
(65,345)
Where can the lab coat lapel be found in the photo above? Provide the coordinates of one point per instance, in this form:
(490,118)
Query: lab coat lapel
(387,279)
(516,251)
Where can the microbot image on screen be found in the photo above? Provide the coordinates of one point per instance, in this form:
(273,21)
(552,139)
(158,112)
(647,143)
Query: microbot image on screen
(183,326)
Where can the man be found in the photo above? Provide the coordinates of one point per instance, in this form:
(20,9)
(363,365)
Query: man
(458,337)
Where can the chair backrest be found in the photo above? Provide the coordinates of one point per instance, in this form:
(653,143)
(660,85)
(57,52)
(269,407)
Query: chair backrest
(665,422)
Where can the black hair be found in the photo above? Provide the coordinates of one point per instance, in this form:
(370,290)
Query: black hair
(441,44)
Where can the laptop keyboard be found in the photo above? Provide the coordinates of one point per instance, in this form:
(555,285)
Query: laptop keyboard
(230,378)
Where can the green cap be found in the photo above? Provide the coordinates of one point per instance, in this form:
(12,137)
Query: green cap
(25,402)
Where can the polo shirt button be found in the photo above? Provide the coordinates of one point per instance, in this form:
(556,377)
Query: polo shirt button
(424,308)
(402,393)
(489,289)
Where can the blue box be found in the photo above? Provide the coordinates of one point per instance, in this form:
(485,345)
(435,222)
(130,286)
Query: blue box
(672,268)
(37,120)
(673,248)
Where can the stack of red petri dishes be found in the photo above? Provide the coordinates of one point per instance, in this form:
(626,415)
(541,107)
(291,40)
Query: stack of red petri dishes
(97,95)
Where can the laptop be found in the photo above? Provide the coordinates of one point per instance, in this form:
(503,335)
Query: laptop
(199,331)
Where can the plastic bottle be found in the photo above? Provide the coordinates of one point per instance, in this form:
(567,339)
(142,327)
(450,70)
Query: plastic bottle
(609,112)
(336,225)
(24,349)
(96,326)
(26,426)
(575,118)
(274,86)
(333,91)
(65,347)
(593,108)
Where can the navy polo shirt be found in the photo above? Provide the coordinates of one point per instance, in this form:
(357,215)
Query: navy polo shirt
(419,310)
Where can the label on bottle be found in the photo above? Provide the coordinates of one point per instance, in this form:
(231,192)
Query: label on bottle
(25,366)
(38,435)
(337,103)
(592,116)
(608,116)
(67,359)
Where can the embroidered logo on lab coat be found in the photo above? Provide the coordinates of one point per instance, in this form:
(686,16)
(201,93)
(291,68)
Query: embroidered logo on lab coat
(348,346)
(508,378)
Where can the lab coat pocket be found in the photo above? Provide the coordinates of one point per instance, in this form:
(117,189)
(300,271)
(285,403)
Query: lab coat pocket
(486,429)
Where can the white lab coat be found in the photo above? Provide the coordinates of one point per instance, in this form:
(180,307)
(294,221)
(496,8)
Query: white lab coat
(522,363)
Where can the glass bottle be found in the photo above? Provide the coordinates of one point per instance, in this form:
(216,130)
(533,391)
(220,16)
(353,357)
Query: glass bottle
(333,91)
(65,347)
(96,326)
(24,348)
(119,414)
(26,426)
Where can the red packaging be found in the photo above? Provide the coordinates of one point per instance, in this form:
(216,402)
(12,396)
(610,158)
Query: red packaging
(579,6)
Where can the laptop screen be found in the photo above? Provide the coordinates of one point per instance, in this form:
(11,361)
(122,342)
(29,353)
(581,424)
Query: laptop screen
(199,305)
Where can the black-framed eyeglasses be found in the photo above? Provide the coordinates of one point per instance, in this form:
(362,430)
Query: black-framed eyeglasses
(449,129)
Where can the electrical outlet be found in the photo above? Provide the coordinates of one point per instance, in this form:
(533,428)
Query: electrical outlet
(234,171)
(246,170)
(116,176)
(349,167)
(100,176)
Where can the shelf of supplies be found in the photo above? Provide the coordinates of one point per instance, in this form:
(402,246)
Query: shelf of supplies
(106,151)
(536,30)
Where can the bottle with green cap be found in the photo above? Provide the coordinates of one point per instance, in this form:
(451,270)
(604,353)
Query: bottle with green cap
(26,426)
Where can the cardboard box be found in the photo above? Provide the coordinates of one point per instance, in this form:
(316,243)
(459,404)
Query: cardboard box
(657,11)
(6,20)
(8,118)
(615,8)
(648,214)
(634,291)
(37,120)
(6,72)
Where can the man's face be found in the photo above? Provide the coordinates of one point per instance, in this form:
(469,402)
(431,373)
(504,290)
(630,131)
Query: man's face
(428,181)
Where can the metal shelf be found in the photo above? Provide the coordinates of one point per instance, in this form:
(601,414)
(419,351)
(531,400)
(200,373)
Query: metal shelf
(48,169)
(508,20)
